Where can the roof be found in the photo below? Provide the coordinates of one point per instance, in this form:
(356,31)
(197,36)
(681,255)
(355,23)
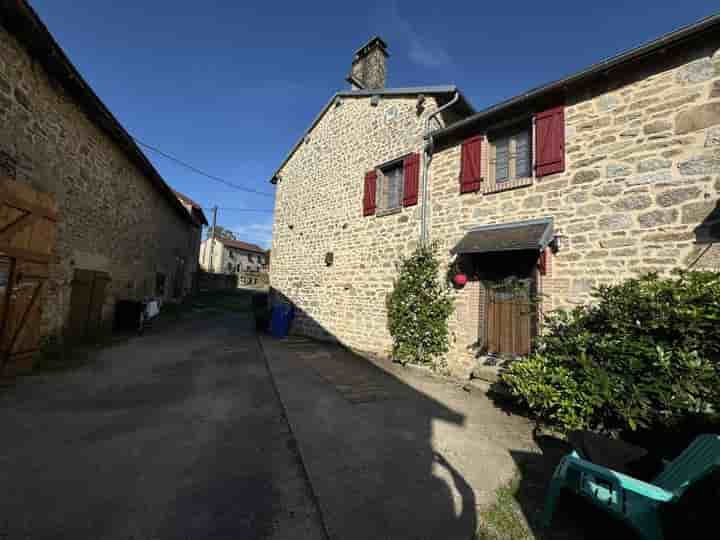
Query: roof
(21,20)
(659,45)
(195,206)
(447,91)
(239,244)
(533,235)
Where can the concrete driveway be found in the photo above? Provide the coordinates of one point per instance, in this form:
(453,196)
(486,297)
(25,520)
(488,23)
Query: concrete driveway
(176,434)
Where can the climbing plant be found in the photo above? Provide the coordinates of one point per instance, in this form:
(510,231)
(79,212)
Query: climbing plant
(418,309)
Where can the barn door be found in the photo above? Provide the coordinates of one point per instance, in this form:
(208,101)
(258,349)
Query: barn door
(509,319)
(86,303)
(27,240)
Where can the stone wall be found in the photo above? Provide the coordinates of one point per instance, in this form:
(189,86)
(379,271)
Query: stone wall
(318,210)
(112,218)
(642,172)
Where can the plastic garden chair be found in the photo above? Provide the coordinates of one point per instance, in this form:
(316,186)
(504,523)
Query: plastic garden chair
(632,500)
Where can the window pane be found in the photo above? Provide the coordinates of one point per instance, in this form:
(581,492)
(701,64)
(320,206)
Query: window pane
(394,179)
(522,151)
(501,159)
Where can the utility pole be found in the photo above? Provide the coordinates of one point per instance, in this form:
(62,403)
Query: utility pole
(212,238)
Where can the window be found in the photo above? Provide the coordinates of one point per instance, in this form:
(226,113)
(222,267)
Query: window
(512,155)
(390,187)
(250,258)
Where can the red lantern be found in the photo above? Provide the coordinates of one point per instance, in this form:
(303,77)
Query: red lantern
(460,280)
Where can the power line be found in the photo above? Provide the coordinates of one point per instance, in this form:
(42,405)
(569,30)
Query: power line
(268,210)
(201,172)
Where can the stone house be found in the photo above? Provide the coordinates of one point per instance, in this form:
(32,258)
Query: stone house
(608,173)
(118,231)
(227,256)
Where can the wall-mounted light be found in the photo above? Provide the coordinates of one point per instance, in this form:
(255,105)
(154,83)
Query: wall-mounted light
(557,242)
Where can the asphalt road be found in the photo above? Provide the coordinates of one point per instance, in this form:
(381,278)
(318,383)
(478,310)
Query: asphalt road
(175,434)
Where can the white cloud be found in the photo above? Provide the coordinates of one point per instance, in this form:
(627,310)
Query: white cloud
(259,233)
(421,50)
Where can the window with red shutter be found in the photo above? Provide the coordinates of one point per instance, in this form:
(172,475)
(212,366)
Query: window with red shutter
(471,164)
(369,193)
(411,165)
(550,142)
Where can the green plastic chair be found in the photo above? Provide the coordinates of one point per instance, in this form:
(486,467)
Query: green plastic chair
(632,500)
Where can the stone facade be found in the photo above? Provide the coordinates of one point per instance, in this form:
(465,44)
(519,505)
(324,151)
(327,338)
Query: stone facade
(112,217)
(318,210)
(642,173)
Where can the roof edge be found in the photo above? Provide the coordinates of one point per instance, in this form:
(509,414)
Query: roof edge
(654,46)
(415,90)
(20,19)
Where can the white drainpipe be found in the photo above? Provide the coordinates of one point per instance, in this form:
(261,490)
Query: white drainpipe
(427,158)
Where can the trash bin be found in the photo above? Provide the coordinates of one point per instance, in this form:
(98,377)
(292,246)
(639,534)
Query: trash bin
(280,320)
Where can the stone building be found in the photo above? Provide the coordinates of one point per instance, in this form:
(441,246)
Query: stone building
(121,232)
(227,256)
(608,173)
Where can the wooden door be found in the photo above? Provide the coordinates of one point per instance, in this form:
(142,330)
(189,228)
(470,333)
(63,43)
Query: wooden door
(27,240)
(509,319)
(86,302)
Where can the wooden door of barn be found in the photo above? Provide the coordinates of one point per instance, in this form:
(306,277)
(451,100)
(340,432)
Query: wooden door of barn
(28,220)
(86,304)
(509,318)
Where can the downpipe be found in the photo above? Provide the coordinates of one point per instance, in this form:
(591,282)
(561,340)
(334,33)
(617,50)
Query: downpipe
(427,158)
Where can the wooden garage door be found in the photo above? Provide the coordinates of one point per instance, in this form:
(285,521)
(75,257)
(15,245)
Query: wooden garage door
(27,240)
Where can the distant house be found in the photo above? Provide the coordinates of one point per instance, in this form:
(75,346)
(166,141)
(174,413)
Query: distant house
(85,219)
(603,175)
(226,256)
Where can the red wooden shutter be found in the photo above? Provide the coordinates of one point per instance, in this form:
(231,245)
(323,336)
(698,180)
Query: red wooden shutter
(470,164)
(369,194)
(550,142)
(411,171)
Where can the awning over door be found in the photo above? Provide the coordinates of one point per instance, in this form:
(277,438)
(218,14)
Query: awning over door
(533,235)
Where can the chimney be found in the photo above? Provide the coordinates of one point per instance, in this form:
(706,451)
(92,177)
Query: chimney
(368,66)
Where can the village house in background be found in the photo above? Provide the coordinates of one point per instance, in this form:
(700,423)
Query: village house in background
(229,256)
(606,174)
(85,219)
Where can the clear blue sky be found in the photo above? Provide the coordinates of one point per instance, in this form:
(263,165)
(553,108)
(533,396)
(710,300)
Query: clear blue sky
(229,86)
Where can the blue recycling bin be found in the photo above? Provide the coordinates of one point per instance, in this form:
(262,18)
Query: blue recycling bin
(280,319)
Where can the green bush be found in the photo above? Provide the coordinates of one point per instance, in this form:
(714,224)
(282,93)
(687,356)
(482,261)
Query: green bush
(645,352)
(418,309)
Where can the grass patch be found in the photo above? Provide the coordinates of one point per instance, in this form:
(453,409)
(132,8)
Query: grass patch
(503,520)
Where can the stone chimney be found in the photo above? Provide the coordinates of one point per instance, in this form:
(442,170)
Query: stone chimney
(368,66)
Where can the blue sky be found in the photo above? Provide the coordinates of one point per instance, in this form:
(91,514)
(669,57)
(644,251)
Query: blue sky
(229,86)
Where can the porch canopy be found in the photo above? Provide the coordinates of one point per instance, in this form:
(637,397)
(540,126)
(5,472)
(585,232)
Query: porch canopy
(533,235)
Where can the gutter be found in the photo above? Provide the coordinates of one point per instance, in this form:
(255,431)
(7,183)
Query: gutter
(658,45)
(427,158)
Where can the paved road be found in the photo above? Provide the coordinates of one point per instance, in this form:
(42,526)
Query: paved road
(177,434)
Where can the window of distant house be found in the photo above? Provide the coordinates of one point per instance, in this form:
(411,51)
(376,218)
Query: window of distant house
(390,187)
(250,258)
(511,154)
(229,267)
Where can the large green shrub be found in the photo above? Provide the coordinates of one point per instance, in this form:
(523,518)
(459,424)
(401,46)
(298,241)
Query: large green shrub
(645,352)
(418,309)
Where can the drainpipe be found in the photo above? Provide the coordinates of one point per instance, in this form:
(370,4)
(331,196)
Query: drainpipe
(427,158)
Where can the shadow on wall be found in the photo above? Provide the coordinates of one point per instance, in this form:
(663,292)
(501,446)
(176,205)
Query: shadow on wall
(370,443)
